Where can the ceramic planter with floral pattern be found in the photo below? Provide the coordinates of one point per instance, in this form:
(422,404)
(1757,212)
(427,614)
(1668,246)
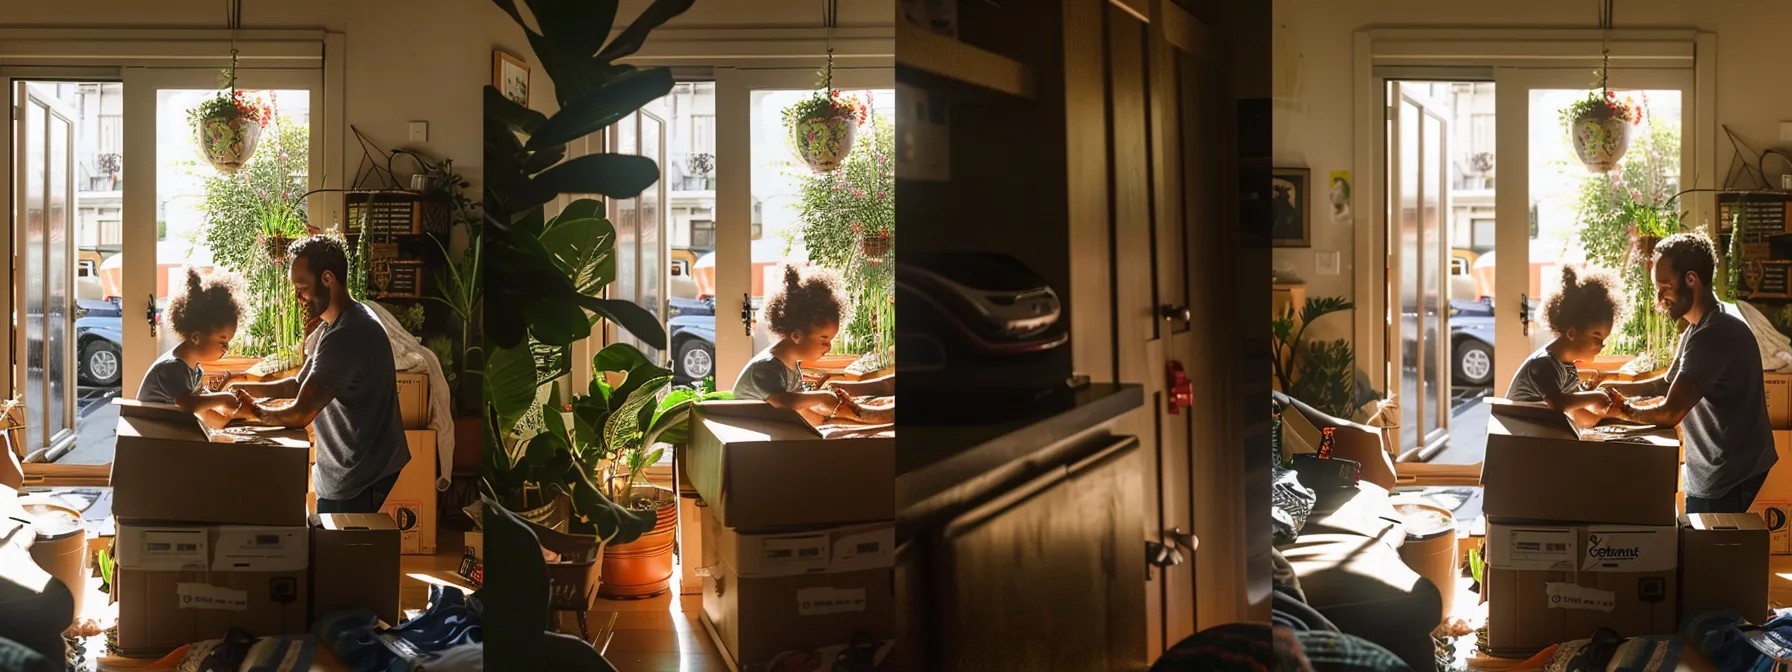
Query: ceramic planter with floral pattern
(823,128)
(229,127)
(1600,128)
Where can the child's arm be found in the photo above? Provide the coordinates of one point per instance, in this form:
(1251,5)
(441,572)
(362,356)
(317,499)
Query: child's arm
(1585,407)
(284,388)
(816,407)
(199,403)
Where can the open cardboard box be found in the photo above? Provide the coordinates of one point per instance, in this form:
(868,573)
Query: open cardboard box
(762,467)
(168,466)
(1538,467)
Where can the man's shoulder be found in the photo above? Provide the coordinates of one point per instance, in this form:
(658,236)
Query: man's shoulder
(1727,324)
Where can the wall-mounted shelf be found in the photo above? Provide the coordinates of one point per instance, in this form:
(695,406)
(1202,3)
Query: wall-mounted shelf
(961,63)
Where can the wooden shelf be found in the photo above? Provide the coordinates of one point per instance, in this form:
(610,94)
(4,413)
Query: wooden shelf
(962,63)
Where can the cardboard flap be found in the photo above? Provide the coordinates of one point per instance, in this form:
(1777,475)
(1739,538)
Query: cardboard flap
(1710,522)
(1531,420)
(353,522)
(741,420)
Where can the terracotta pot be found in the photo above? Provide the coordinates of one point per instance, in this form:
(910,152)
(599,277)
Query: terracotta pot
(823,141)
(276,246)
(1644,248)
(1600,139)
(228,144)
(643,568)
(469,440)
(875,248)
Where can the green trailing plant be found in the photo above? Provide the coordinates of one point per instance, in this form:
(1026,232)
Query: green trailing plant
(547,277)
(1618,211)
(827,104)
(1603,104)
(1729,271)
(848,221)
(230,103)
(246,215)
(357,265)
(442,346)
(461,287)
(1320,374)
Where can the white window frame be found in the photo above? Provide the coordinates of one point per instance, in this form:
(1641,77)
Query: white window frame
(1471,54)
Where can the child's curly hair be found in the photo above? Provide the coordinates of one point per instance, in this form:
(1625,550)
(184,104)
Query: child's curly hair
(1588,298)
(209,303)
(806,300)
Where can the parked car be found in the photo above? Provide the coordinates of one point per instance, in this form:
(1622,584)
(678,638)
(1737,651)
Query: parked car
(1471,342)
(693,340)
(99,341)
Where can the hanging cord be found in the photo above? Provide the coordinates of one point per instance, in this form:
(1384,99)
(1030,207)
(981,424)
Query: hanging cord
(829,18)
(1605,47)
(233,13)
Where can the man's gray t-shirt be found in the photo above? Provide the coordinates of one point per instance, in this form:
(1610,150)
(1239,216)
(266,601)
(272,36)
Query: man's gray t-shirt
(1541,375)
(360,438)
(167,378)
(1728,436)
(766,375)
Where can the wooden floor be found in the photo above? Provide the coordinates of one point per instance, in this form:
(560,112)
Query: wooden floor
(662,634)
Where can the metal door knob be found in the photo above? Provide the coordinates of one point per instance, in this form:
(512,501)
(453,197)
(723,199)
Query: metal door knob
(1170,312)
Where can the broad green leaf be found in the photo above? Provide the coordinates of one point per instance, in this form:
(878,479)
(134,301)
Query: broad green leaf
(509,385)
(517,117)
(632,318)
(635,35)
(616,99)
(618,357)
(585,250)
(516,599)
(556,323)
(611,175)
(543,447)
(578,27)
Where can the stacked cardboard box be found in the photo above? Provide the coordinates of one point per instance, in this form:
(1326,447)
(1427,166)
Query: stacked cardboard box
(212,534)
(789,572)
(1723,564)
(1775,499)
(412,503)
(1582,534)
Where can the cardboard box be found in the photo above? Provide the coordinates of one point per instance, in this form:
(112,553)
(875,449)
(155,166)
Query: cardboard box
(1723,564)
(412,503)
(1779,399)
(354,564)
(1538,469)
(1778,487)
(413,400)
(1775,516)
(1548,584)
(166,469)
(740,457)
(182,584)
(766,594)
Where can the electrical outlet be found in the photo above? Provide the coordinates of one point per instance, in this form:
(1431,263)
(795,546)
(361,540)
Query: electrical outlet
(419,131)
(1786,131)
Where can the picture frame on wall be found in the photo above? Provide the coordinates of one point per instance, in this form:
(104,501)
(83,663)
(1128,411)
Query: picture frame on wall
(510,76)
(1290,203)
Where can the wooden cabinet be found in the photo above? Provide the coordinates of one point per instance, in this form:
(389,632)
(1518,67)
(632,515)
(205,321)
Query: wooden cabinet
(1047,575)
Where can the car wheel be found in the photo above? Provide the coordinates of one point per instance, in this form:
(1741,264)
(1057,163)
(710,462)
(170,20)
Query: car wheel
(696,359)
(101,363)
(1474,363)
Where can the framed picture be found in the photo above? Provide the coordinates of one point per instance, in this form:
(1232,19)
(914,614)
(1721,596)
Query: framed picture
(511,77)
(1291,222)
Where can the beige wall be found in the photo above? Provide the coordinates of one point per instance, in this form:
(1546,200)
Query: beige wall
(1312,53)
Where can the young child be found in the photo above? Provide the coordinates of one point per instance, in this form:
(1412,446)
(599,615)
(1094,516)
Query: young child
(1581,315)
(804,314)
(205,316)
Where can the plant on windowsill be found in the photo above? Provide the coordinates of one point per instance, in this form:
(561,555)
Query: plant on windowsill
(848,222)
(1323,375)
(546,278)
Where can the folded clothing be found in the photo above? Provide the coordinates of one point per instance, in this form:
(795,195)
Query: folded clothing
(451,621)
(1730,642)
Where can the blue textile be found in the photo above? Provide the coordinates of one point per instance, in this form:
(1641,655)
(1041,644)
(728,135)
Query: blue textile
(1734,644)
(356,638)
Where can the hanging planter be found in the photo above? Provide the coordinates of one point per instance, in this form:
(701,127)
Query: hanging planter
(875,247)
(275,247)
(229,127)
(823,128)
(1600,128)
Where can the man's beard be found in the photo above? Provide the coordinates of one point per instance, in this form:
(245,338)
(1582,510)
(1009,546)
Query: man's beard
(318,302)
(1682,303)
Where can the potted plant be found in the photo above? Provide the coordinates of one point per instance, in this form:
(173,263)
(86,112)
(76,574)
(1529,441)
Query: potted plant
(1621,216)
(823,128)
(848,220)
(1600,127)
(1320,374)
(546,278)
(250,217)
(229,126)
(702,166)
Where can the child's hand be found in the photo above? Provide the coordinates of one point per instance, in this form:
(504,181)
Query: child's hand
(245,404)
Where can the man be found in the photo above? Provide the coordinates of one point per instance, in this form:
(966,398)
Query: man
(1713,389)
(347,388)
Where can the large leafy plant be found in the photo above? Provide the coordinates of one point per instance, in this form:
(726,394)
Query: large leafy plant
(840,208)
(1619,210)
(244,211)
(1320,374)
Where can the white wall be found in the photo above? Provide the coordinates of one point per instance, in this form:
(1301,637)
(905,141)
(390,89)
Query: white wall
(1312,65)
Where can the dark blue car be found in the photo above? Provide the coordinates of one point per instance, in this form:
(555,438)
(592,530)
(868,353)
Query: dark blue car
(1471,342)
(99,341)
(692,334)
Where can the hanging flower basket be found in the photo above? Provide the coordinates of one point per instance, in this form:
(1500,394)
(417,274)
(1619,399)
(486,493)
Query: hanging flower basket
(229,127)
(823,128)
(875,247)
(275,247)
(1600,127)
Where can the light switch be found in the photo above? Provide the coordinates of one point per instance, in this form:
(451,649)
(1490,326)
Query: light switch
(1786,130)
(419,131)
(1325,262)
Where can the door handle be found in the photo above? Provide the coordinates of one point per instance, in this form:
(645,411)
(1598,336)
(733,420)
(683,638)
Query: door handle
(1183,539)
(1169,312)
(1524,312)
(1179,391)
(149,315)
(1160,556)
(746,313)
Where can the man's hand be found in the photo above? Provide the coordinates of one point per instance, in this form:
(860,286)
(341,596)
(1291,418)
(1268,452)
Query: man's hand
(246,408)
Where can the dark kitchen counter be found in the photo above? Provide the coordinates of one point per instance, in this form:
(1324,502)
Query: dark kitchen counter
(938,466)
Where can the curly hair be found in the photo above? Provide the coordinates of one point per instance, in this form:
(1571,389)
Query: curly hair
(1588,298)
(806,300)
(1690,252)
(209,303)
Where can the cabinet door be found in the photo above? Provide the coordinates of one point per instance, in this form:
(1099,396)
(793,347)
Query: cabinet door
(1047,576)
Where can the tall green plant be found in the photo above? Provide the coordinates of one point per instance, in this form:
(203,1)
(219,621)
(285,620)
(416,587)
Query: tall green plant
(1320,374)
(547,277)
(244,210)
(1635,202)
(837,209)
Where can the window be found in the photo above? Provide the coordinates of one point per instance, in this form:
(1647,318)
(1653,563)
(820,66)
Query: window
(1483,234)
(703,134)
(1458,266)
(679,268)
(703,234)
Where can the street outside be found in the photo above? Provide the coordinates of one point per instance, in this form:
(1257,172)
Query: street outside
(96,426)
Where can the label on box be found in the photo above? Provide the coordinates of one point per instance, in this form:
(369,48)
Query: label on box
(1610,548)
(166,549)
(823,600)
(1540,548)
(875,549)
(404,514)
(1774,515)
(1575,596)
(206,596)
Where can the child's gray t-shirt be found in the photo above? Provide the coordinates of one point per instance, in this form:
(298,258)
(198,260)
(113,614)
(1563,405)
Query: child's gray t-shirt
(766,375)
(167,378)
(1541,375)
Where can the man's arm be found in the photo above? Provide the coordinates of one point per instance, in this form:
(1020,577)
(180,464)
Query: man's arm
(1648,387)
(1665,412)
(313,396)
(284,388)
(883,386)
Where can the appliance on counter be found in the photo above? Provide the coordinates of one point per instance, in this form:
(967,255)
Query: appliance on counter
(983,335)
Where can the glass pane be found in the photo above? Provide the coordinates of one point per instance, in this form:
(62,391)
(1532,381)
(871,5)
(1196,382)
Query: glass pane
(653,265)
(56,313)
(36,289)
(1407,216)
(625,215)
(780,182)
(213,220)
(1432,250)
(1584,217)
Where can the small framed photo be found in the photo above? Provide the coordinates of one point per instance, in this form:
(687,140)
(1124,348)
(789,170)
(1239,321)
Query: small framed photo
(510,75)
(1291,219)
